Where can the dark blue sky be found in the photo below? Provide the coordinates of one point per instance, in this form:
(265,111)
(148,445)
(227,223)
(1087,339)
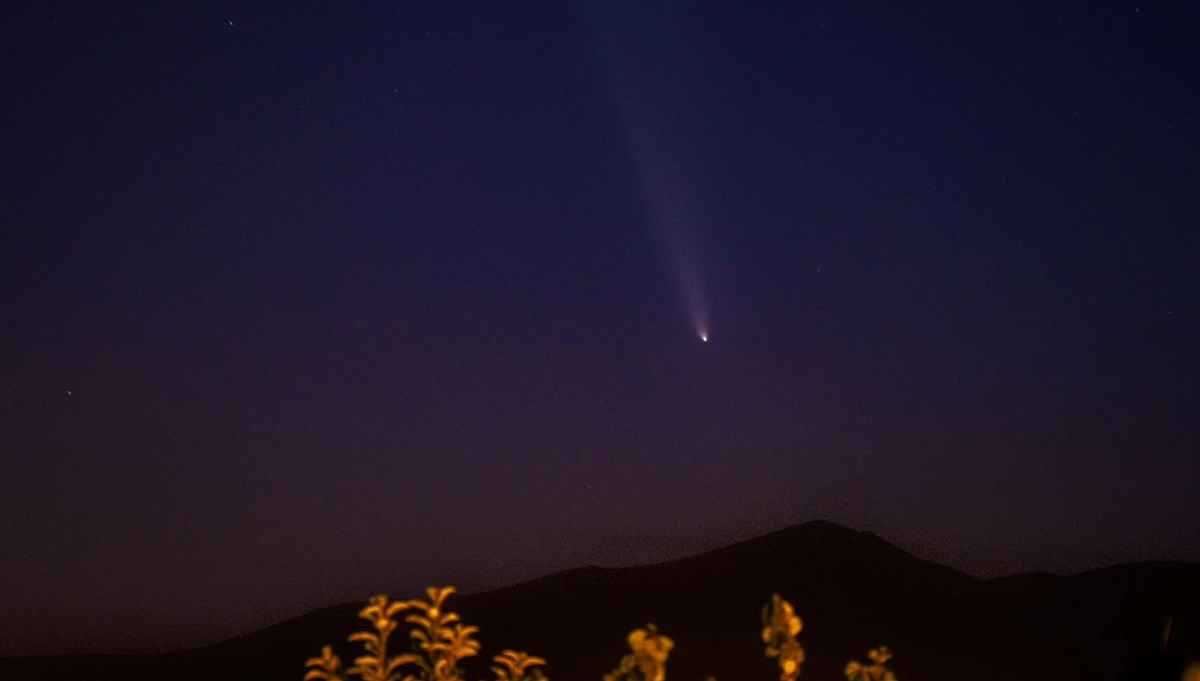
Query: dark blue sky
(302,302)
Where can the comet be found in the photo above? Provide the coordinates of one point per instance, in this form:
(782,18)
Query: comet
(654,86)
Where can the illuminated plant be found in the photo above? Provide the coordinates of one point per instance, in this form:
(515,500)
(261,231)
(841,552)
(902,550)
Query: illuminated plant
(855,671)
(376,665)
(438,640)
(647,659)
(780,626)
(327,667)
(440,635)
(516,665)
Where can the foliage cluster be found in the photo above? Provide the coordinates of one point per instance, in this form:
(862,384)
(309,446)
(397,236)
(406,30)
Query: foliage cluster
(438,640)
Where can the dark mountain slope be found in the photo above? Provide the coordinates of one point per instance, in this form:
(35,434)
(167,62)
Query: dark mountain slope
(853,590)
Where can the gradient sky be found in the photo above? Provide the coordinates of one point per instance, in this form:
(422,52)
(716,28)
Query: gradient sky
(304,301)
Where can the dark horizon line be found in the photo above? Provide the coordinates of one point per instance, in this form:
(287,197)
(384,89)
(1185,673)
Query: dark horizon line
(817,524)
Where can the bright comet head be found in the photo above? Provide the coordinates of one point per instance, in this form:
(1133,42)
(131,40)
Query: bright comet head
(704,336)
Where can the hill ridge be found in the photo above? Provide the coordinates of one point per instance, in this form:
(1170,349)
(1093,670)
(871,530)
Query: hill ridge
(853,589)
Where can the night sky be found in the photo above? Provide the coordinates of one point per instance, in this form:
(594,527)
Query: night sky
(309,300)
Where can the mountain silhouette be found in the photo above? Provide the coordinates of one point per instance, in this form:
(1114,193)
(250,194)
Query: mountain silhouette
(853,590)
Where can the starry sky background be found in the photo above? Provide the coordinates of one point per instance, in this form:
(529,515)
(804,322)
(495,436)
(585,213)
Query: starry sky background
(304,301)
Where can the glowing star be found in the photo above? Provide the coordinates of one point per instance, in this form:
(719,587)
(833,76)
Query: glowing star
(704,337)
